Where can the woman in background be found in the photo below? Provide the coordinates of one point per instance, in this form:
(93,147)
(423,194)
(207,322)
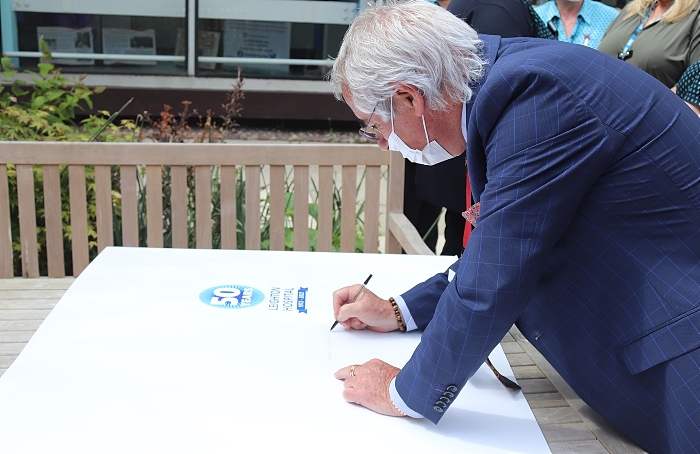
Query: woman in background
(689,87)
(661,37)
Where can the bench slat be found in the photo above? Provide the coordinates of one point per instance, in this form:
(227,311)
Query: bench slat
(325,208)
(103,206)
(229,220)
(130,221)
(394,199)
(371,214)
(27,220)
(348,209)
(5,226)
(78,218)
(277,208)
(154,206)
(178,206)
(202,197)
(301,208)
(252,207)
(53,221)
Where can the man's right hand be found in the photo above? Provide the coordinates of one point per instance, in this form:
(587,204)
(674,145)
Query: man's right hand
(367,312)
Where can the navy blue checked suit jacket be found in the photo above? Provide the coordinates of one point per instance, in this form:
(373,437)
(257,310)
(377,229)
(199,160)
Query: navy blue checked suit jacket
(588,174)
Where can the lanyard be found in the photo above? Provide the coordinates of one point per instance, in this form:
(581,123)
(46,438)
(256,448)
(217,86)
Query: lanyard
(626,52)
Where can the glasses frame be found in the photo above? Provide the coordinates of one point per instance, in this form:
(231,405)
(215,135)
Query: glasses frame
(364,130)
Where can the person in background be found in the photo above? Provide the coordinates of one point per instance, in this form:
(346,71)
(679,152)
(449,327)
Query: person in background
(587,175)
(661,37)
(429,188)
(689,87)
(505,18)
(578,21)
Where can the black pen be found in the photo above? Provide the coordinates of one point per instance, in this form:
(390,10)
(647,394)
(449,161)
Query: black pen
(357,295)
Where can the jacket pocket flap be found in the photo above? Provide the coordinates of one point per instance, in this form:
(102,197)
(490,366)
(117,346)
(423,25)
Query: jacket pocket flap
(663,344)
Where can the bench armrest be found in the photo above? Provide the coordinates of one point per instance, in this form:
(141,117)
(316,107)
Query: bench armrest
(407,235)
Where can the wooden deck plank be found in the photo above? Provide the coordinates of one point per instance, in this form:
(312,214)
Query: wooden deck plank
(511,347)
(19,325)
(15,336)
(36,284)
(22,314)
(11,348)
(567,432)
(527,372)
(546,400)
(537,385)
(520,359)
(557,415)
(24,304)
(578,447)
(6,361)
(52,294)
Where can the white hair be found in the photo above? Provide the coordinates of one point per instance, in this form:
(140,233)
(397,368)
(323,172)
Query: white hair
(412,42)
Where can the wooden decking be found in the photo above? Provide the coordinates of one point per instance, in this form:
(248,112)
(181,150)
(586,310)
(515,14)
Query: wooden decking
(568,424)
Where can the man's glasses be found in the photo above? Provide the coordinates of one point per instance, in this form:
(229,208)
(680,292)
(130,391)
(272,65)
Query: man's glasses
(368,130)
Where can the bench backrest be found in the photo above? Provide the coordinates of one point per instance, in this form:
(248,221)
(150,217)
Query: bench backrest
(112,184)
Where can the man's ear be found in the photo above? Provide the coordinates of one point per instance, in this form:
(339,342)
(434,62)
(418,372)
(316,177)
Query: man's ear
(408,97)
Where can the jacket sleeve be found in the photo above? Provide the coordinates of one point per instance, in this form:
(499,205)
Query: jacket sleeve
(422,299)
(537,150)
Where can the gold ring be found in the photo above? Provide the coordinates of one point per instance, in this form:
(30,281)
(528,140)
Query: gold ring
(352,370)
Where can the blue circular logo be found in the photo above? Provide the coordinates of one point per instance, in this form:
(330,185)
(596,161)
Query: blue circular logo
(232,296)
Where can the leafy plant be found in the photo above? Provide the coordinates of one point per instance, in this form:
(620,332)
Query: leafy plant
(45,110)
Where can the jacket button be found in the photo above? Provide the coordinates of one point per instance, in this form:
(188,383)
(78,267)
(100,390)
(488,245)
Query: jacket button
(452,388)
(448,394)
(445,399)
(440,404)
(438,409)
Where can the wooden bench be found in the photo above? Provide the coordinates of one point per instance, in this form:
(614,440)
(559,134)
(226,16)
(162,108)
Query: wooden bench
(129,174)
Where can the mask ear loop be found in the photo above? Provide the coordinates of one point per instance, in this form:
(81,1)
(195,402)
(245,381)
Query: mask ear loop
(427,140)
(391,103)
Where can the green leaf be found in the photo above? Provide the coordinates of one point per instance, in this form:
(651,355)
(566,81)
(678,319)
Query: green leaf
(18,91)
(98,90)
(54,94)
(44,68)
(6,62)
(288,239)
(38,102)
(289,204)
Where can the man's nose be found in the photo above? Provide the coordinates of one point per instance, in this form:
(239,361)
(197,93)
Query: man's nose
(383,144)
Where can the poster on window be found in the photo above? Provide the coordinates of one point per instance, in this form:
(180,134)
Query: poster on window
(207,42)
(257,39)
(69,40)
(129,42)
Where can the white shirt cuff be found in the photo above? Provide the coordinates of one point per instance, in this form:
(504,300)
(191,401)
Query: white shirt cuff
(398,401)
(407,317)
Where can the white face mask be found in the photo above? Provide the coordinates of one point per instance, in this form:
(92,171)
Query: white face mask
(432,154)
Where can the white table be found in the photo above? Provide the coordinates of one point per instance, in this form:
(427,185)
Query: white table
(132,360)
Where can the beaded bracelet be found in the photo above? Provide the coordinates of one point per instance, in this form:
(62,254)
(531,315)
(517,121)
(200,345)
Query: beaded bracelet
(399,317)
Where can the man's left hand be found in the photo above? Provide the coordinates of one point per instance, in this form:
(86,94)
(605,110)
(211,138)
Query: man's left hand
(369,385)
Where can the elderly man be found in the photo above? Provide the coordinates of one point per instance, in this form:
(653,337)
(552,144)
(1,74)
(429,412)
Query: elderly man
(587,172)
